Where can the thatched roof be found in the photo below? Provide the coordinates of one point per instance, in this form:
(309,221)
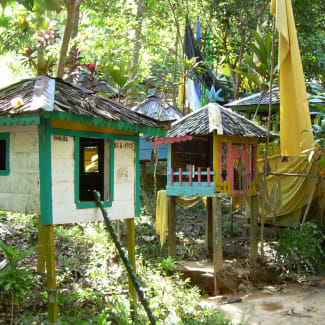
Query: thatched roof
(214,117)
(55,95)
(154,107)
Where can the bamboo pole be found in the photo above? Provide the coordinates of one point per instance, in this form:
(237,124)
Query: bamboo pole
(209,227)
(131,254)
(52,306)
(41,248)
(217,242)
(172,226)
(254,227)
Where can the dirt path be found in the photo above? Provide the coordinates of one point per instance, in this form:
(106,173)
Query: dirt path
(292,305)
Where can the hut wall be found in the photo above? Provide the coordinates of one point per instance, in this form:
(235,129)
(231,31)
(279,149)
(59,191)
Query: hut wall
(20,191)
(63,182)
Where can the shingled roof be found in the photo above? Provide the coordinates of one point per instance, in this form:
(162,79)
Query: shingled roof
(154,107)
(45,94)
(253,100)
(214,117)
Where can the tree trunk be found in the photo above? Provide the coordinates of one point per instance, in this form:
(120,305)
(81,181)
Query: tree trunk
(136,41)
(71,6)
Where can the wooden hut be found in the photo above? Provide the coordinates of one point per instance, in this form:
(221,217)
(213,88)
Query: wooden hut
(58,143)
(212,153)
(154,107)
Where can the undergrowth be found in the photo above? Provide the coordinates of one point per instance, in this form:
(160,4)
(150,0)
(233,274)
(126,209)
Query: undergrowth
(92,282)
(300,250)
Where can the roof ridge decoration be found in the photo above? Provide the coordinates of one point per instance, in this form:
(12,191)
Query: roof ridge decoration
(43,94)
(215,120)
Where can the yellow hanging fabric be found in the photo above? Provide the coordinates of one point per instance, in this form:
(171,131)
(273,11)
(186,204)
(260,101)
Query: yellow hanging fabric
(294,109)
(293,192)
(162,216)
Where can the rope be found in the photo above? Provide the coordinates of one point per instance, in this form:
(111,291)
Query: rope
(111,229)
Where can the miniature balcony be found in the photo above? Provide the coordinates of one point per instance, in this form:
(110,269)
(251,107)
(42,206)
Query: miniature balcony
(187,183)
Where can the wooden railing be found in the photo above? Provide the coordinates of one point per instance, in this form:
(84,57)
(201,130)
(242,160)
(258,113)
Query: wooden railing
(194,177)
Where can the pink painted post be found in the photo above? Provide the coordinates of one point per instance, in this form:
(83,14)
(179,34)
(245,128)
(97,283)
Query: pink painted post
(208,170)
(190,176)
(171,177)
(180,176)
(199,176)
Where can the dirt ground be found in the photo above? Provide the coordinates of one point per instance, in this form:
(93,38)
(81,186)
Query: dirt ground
(293,304)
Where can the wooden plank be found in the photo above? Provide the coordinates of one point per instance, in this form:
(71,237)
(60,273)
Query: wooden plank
(209,227)
(195,190)
(52,306)
(254,226)
(172,226)
(217,242)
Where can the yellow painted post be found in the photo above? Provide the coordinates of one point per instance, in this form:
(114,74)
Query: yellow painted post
(216,176)
(131,256)
(41,248)
(52,306)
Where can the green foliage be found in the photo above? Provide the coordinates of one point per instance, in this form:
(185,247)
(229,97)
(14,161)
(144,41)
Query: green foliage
(300,250)
(15,281)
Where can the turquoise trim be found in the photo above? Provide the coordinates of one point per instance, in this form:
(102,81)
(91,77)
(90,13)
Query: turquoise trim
(112,169)
(23,119)
(6,136)
(186,190)
(71,117)
(137,177)
(90,204)
(77,135)
(44,139)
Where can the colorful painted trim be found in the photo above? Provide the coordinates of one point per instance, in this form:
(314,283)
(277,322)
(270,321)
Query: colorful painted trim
(6,136)
(71,117)
(24,119)
(172,140)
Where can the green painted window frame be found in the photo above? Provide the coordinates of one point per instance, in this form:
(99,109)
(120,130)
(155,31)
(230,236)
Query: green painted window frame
(112,137)
(6,136)
(91,204)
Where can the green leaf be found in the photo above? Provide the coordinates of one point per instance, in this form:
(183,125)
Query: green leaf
(322,162)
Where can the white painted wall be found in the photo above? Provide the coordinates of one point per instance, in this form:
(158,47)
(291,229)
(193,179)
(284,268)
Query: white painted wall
(20,191)
(64,207)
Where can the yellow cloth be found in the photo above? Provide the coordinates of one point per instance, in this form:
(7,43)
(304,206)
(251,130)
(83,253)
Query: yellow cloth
(181,92)
(162,211)
(162,216)
(294,191)
(294,110)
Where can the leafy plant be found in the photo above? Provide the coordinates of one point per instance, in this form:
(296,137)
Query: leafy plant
(15,281)
(300,250)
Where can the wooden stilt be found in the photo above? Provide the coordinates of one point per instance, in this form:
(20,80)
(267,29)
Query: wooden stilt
(254,227)
(41,248)
(172,226)
(209,227)
(131,255)
(217,242)
(51,274)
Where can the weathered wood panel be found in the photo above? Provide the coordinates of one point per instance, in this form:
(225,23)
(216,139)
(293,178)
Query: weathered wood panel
(19,191)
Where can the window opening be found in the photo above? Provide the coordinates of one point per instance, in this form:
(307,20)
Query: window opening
(92,173)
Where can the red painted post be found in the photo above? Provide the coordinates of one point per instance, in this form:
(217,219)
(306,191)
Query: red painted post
(208,170)
(190,176)
(171,177)
(180,176)
(199,176)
